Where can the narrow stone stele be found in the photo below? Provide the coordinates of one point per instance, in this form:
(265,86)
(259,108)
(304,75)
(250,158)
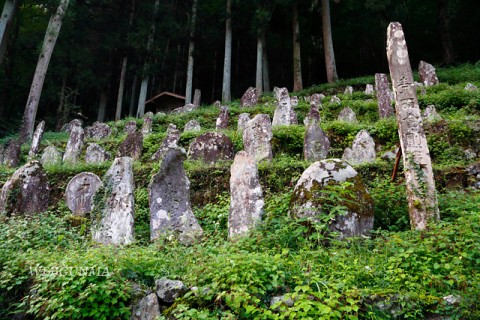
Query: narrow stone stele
(26,192)
(37,138)
(246,198)
(98,131)
(257,136)
(197,97)
(310,198)
(419,180)
(130,127)
(96,154)
(369,89)
(12,153)
(171,213)
(80,192)
(348,90)
(192,125)
(283,112)
(170,141)
(313,115)
(316,144)
(384,96)
(74,144)
(211,147)
(51,156)
(430,114)
(347,115)
(114,205)
(132,146)
(147,123)
(249,98)
(294,101)
(427,74)
(222,120)
(362,151)
(243,118)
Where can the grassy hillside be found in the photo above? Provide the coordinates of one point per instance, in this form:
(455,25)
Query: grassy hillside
(394,273)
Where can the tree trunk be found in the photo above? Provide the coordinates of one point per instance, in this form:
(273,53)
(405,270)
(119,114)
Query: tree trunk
(175,75)
(266,74)
(51,36)
(6,19)
(443,29)
(61,110)
(133,95)
(259,73)
(143,90)
(121,88)
(214,74)
(297,60)
(332,75)
(227,64)
(102,106)
(191,49)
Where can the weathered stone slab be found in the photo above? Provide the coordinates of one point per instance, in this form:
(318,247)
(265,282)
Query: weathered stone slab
(310,198)
(37,137)
(114,205)
(369,89)
(317,98)
(222,120)
(313,115)
(169,290)
(96,154)
(418,171)
(211,147)
(217,104)
(246,197)
(384,96)
(170,141)
(335,100)
(293,117)
(316,144)
(130,127)
(80,192)
(169,197)
(257,136)
(147,123)
(362,151)
(132,146)
(74,144)
(347,115)
(470,87)
(2,153)
(26,192)
(197,97)
(348,90)
(98,131)
(427,74)
(192,125)
(430,114)
(249,98)
(51,156)
(12,153)
(74,123)
(283,112)
(147,308)
(243,118)
(294,101)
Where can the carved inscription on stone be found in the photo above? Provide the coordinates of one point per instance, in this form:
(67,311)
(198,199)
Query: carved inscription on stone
(80,191)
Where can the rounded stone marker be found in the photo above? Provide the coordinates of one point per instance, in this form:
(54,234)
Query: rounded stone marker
(80,191)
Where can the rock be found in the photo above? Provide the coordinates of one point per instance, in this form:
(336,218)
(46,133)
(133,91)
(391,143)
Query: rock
(169,198)
(390,155)
(427,74)
(80,191)
(293,117)
(130,127)
(217,104)
(249,98)
(420,86)
(469,154)
(37,137)
(452,300)
(430,114)
(26,192)
(51,156)
(317,98)
(222,120)
(96,154)
(470,87)
(170,141)
(335,100)
(12,153)
(257,136)
(243,118)
(309,199)
(2,153)
(197,98)
(192,125)
(74,144)
(362,151)
(246,198)
(294,101)
(114,205)
(347,115)
(348,90)
(74,123)
(169,290)
(369,89)
(132,146)
(147,308)
(185,109)
(147,123)
(282,115)
(286,301)
(316,144)
(384,96)
(211,147)
(98,131)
